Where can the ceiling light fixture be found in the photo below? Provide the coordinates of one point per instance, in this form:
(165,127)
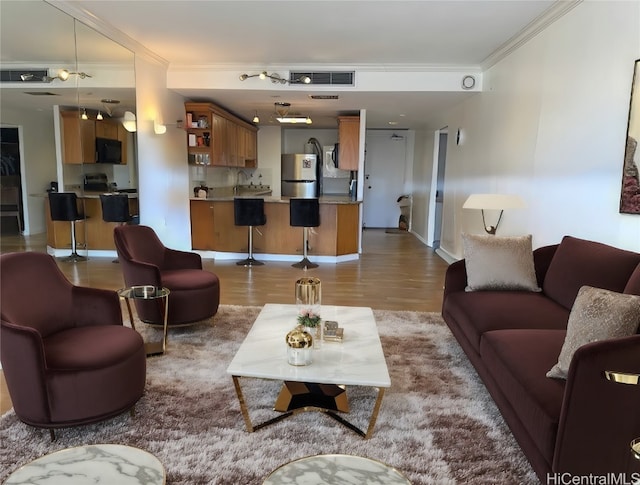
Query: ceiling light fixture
(277,78)
(255,118)
(282,108)
(63,75)
(99,116)
(84,114)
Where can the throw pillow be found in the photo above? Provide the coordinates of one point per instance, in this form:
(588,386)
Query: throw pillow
(499,263)
(597,314)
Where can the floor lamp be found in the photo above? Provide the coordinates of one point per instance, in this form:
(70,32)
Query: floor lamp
(494,202)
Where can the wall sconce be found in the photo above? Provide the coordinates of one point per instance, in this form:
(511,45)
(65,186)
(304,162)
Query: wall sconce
(158,128)
(129,122)
(493,202)
(276,78)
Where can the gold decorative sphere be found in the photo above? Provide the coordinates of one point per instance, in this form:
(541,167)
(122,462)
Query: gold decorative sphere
(298,338)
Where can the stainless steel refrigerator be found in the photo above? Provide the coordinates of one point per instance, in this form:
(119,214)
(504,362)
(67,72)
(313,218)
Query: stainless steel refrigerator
(299,175)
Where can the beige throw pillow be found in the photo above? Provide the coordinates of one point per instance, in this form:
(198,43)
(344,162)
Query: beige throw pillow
(499,263)
(596,314)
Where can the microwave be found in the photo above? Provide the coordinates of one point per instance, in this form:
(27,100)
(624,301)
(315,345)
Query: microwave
(108,151)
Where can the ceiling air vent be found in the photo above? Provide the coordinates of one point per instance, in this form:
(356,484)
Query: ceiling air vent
(324,96)
(344,78)
(23,75)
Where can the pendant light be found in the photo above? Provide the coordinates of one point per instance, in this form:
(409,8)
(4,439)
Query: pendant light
(255,118)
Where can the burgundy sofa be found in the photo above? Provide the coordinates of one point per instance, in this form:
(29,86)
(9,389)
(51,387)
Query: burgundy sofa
(580,425)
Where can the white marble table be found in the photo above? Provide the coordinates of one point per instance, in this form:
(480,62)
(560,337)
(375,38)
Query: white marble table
(336,470)
(92,464)
(356,361)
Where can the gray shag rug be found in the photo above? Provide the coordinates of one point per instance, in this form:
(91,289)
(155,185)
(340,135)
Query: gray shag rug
(437,423)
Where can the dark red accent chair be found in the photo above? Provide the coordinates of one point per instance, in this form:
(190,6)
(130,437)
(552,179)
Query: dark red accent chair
(67,358)
(195,293)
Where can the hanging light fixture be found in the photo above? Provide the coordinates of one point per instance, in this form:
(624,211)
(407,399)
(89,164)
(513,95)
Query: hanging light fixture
(282,110)
(84,114)
(99,117)
(276,78)
(255,118)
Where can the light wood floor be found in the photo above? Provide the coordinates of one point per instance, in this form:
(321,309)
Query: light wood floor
(395,272)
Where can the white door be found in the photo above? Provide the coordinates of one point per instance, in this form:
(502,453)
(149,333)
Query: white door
(384,169)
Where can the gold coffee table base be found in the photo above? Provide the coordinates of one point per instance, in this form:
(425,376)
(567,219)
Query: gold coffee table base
(299,397)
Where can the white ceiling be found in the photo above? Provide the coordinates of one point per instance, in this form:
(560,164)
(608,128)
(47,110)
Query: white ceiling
(383,35)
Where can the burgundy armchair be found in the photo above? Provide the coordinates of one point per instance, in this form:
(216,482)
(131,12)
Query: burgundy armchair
(66,357)
(195,293)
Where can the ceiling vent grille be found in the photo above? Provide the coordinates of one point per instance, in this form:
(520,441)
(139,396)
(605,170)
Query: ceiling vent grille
(324,96)
(343,78)
(23,75)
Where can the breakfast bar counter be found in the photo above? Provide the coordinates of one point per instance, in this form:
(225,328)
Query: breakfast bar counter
(337,237)
(92,233)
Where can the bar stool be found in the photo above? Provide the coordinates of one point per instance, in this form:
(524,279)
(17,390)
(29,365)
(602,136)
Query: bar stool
(64,207)
(115,208)
(304,213)
(249,212)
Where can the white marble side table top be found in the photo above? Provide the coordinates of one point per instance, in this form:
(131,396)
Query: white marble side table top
(336,470)
(92,464)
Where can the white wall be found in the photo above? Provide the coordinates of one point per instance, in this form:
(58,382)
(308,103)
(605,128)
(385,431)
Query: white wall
(162,159)
(551,126)
(421,191)
(38,148)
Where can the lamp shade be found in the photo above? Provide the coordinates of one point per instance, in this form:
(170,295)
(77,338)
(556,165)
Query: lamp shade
(129,121)
(494,202)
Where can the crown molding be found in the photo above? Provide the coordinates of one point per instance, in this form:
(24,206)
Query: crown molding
(549,16)
(108,30)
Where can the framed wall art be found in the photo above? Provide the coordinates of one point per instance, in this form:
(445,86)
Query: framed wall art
(630,193)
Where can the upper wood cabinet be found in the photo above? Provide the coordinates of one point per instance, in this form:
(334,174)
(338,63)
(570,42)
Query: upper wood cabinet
(349,139)
(217,137)
(78,138)
(106,129)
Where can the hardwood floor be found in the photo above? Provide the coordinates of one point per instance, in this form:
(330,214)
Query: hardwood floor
(394,272)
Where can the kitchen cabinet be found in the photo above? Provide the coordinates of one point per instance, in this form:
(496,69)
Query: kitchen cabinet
(217,137)
(78,138)
(106,129)
(349,139)
(213,229)
(202,225)
(114,131)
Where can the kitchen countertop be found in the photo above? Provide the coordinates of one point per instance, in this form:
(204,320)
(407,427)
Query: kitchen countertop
(88,195)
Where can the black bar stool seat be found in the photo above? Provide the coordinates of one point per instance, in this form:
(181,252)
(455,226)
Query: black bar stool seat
(249,212)
(115,208)
(304,213)
(63,206)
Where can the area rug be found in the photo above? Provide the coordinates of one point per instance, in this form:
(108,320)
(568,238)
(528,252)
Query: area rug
(437,423)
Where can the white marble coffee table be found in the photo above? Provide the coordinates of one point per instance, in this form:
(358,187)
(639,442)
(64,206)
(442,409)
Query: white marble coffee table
(84,465)
(336,470)
(356,361)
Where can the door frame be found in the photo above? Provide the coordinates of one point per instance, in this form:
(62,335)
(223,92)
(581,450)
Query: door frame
(436,168)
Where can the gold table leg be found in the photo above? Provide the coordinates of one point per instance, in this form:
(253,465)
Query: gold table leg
(251,428)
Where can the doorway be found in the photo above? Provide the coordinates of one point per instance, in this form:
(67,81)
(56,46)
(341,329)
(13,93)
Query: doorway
(10,180)
(384,175)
